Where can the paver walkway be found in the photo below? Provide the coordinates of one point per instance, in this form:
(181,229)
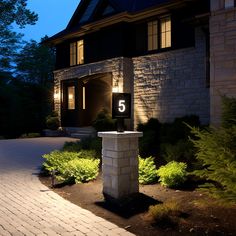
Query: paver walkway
(29,208)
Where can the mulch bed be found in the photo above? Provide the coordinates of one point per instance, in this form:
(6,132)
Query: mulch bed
(201,215)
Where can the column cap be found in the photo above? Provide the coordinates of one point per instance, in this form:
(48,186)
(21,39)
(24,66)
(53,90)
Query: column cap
(115,134)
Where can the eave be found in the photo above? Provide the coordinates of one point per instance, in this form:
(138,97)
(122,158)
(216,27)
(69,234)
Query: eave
(127,17)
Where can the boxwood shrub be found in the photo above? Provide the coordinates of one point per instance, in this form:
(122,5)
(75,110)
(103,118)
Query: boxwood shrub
(76,167)
(172,174)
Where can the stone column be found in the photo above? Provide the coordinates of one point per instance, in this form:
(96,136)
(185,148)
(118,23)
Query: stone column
(120,163)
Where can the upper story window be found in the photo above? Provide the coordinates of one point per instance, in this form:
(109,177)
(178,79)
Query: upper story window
(159,33)
(77,53)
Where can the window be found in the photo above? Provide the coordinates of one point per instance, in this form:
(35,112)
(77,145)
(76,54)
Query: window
(71,97)
(159,33)
(73,54)
(152,35)
(80,52)
(165,32)
(77,53)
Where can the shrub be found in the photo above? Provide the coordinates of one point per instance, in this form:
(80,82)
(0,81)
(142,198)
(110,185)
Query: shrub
(178,130)
(84,144)
(216,149)
(164,213)
(182,151)
(149,143)
(72,166)
(72,146)
(172,174)
(80,170)
(52,121)
(104,121)
(228,111)
(147,170)
(56,159)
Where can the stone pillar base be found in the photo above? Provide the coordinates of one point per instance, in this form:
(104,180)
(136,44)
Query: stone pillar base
(120,163)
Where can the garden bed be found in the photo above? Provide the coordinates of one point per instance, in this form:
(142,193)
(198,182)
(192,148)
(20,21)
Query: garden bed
(200,215)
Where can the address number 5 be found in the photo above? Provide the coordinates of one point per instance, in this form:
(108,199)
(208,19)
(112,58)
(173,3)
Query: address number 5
(121,106)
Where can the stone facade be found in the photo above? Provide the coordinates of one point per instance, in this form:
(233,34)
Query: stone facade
(120,68)
(164,85)
(172,84)
(223,55)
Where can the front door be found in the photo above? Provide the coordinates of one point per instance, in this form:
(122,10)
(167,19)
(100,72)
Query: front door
(70,103)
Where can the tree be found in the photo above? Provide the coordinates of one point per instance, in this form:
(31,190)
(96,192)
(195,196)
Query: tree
(35,63)
(12,12)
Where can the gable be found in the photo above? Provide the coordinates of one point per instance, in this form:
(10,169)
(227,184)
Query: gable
(92,10)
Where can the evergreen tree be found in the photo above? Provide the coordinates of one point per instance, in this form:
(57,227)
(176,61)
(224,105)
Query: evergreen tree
(12,12)
(35,63)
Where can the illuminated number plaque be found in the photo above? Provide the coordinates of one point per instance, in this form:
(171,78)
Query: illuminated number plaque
(121,109)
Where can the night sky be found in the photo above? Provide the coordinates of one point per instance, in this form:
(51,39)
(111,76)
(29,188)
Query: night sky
(54,16)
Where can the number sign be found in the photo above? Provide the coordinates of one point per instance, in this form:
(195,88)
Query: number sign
(121,105)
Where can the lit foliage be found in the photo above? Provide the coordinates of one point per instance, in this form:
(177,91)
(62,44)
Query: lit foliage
(217,151)
(147,170)
(172,174)
(72,166)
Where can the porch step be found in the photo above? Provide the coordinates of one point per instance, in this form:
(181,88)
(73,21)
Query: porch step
(81,132)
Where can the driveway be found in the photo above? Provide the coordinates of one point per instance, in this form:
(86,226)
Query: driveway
(29,208)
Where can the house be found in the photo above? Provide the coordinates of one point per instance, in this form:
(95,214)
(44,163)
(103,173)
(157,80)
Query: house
(169,54)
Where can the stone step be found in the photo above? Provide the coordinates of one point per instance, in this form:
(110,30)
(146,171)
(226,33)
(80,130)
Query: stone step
(81,135)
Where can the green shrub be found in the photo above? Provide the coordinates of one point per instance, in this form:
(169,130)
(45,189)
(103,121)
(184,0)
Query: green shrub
(80,170)
(72,166)
(178,130)
(104,121)
(56,159)
(147,170)
(182,151)
(72,146)
(52,121)
(149,143)
(172,174)
(216,149)
(164,213)
(228,111)
(84,144)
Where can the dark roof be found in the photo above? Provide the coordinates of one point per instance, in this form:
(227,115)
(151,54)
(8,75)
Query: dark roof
(120,6)
(137,5)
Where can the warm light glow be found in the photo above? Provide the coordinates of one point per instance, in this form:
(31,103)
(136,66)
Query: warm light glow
(165,32)
(71,98)
(115,88)
(56,96)
(84,104)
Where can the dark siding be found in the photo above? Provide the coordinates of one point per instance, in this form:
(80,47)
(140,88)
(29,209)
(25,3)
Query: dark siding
(130,40)
(105,44)
(62,56)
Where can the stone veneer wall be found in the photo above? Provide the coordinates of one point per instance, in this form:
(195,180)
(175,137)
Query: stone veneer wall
(172,84)
(120,68)
(223,56)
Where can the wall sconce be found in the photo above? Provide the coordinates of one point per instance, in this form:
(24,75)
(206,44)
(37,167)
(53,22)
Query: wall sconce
(115,88)
(56,95)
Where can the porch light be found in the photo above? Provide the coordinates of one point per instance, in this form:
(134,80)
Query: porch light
(115,88)
(56,95)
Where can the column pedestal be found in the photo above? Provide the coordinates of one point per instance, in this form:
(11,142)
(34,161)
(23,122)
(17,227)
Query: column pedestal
(120,163)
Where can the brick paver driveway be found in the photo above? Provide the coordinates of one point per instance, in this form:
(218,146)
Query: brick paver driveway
(29,208)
